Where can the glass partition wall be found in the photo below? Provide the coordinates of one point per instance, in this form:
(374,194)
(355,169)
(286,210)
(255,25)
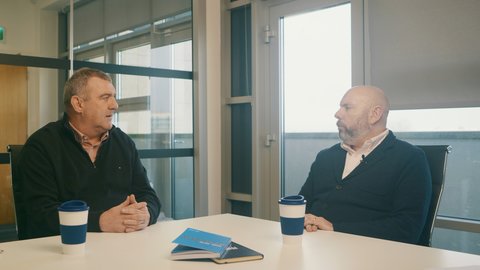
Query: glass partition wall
(146,47)
(150,61)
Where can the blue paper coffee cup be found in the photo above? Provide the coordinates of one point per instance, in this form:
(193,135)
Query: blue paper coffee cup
(292,216)
(73,217)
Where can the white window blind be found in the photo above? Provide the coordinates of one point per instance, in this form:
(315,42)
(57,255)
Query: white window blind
(424,53)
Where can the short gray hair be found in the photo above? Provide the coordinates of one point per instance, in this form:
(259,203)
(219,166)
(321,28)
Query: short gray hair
(76,84)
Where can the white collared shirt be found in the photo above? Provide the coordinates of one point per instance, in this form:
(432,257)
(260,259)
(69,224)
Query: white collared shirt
(354,157)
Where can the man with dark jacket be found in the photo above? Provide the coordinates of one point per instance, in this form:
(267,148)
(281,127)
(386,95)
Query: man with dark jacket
(84,157)
(371,183)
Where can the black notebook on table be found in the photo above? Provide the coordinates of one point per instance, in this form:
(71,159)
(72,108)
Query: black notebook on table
(238,253)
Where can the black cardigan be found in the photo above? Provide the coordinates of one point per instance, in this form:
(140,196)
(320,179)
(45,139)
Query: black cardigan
(55,168)
(386,196)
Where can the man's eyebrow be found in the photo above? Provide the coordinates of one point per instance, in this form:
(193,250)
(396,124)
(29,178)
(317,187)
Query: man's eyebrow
(107,95)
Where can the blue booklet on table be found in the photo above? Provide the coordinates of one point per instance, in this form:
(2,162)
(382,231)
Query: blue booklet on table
(198,244)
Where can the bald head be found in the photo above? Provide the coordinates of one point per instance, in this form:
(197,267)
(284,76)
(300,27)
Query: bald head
(370,97)
(362,115)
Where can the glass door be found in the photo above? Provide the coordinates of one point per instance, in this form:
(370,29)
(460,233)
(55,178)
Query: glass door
(311,68)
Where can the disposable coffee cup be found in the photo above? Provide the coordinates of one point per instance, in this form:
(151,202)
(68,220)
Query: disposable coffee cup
(73,226)
(292,216)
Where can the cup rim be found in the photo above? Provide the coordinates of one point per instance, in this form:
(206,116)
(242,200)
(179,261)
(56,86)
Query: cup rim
(293,200)
(73,206)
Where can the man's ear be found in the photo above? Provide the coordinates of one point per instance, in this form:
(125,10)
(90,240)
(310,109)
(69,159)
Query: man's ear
(77,104)
(376,114)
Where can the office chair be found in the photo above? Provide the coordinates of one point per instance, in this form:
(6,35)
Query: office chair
(437,160)
(20,213)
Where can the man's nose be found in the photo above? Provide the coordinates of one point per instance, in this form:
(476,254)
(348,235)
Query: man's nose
(113,104)
(337,114)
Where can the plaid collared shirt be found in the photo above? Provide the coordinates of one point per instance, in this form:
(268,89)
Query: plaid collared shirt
(85,141)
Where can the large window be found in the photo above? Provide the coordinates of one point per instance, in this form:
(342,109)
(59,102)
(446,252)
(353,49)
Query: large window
(152,73)
(396,45)
(316,73)
(455,127)
(451,126)
(133,90)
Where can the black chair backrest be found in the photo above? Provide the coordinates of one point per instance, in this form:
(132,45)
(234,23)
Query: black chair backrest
(437,160)
(20,214)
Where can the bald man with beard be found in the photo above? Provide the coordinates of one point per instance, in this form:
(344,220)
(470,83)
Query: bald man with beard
(371,183)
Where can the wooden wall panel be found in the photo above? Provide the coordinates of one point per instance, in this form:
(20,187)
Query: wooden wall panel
(13,129)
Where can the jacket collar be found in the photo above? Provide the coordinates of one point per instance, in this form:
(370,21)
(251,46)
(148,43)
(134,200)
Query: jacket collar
(375,156)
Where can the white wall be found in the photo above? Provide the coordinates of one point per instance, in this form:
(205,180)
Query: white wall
(207,85)
(213,82)
(31,31)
